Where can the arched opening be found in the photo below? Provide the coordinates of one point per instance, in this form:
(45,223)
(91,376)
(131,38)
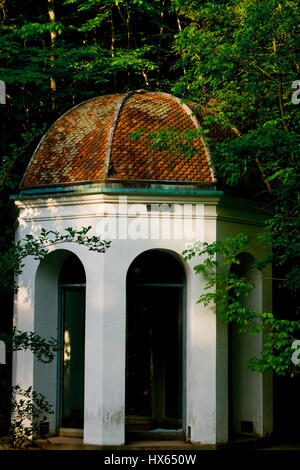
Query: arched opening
(60,308)
(72,331)
(154,342)
(244,389)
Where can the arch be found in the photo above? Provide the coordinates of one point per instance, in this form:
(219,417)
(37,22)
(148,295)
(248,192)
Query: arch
(155,346)
(187,270)
(244,387)
(149,257)
(58,269)
(72,271)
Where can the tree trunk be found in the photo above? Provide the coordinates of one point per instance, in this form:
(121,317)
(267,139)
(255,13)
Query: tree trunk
(51,14)
(161,30)
(112,45)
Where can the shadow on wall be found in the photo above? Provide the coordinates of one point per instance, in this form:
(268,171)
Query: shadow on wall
(244,387)
(49,322)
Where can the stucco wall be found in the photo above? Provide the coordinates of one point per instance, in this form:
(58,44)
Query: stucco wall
(206,337)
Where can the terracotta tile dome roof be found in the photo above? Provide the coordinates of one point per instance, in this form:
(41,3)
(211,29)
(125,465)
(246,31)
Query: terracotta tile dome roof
(93,142)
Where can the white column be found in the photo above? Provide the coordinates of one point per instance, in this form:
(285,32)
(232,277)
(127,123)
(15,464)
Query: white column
(93,377)
(201,365)
(105,350)
(24,320)
(23,361)
(114,348)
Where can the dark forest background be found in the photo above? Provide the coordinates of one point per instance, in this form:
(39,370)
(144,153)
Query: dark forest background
(238,58)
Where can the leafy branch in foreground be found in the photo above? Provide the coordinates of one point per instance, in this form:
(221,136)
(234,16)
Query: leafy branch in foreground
(228,291)
(29,410)
(42,349)
(38,247)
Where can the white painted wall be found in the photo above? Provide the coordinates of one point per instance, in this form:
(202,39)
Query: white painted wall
(36,307)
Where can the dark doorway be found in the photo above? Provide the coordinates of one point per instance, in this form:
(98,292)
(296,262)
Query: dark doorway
(286,390)
(72,287)
(154,346)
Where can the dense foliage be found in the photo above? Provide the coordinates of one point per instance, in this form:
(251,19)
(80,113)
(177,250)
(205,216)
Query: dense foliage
(241,58)
(228,287)
(238,58)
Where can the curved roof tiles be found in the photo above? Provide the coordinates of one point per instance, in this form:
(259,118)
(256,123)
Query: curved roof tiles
(93,142)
